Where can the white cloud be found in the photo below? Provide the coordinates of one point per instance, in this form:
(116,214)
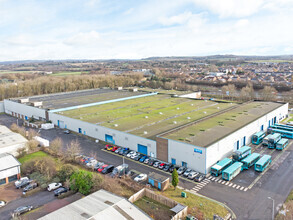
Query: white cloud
(87,38)
(176,19)
(231,8)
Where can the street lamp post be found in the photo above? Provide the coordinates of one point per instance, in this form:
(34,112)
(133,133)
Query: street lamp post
(273,212)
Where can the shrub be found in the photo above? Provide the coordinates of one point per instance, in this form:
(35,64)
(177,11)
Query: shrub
(175,179)
(97,182)
(56,147)
(32,146)
(15,128)
(21,152)
(32,133)
(45,166)
(81,181)
(66,171)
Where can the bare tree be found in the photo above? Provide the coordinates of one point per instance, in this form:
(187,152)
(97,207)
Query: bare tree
(268,93)
(73,149)
(56,147)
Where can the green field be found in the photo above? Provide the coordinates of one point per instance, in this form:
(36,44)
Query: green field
(68,73)
(13,72)
(147,116)
(271,61)
(29,157)
(206,132)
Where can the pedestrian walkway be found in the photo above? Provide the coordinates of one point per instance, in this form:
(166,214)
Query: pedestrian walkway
(200,185)
(227,183)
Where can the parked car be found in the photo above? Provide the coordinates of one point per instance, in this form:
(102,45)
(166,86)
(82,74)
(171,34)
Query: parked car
(143,158)
(98,165)
(92,163)
(22,209)
(146,161)
(17,182)
(102,168)
(107,146)
(23,183)
(66,132)
(114,148)
(161,166)
(199,178)
(53,186)
(2,203)
(151,162)
(186,173)
(125,152)
(166,167)
(290,123)
(137,158)
(30,187)
(156,164)
(172,167)
(131,153)
(59,191)
(181,170)
(108,169)
(134,155)
(141,177)
(118,149)
(192,174)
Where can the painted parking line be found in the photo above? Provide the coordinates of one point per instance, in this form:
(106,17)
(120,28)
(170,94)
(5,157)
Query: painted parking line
(193,191)
(216,180)
(242,188)
(210,177)
(201,184)
(196,187)
(238,187)
(230,184)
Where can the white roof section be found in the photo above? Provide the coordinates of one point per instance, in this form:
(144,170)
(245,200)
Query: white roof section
(9,138)
(8,161)
(99,205)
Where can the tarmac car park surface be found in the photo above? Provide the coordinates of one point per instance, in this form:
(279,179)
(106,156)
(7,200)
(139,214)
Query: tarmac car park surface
(246,202)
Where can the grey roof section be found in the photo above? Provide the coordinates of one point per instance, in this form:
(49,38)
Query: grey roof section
(9,138)
(158,177)
(211,130)
(69,99)
(8,161)
(178,208)
(99,205)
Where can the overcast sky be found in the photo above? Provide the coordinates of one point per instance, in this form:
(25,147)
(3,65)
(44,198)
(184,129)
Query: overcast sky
(105,29)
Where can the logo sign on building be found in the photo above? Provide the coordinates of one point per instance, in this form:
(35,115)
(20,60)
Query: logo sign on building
(197,151)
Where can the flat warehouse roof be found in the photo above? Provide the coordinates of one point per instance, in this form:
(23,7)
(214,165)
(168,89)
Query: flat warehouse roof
(9,138)
(147,116)
(211,130)
(68,99)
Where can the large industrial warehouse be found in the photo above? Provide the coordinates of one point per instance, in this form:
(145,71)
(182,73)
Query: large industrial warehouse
(180,130)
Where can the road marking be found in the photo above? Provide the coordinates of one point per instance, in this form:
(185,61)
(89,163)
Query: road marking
(230,184)
(234,185)
(242,188)
(193,191)
(210,177)
(213,178)
(227,183)
(216,180)
(245,189)
(223,182)
(220,181)
(196,188)
(202,184)
(238,187)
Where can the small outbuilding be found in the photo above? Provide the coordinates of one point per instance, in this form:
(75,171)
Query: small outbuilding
(9,168)
(159,181)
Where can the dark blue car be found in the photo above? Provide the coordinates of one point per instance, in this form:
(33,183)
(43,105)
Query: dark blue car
(142,159)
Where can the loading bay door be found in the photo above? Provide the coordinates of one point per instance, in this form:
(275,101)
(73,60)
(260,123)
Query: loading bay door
(142,149)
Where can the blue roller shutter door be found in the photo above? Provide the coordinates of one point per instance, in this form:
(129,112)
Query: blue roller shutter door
(109,139)
(142,149)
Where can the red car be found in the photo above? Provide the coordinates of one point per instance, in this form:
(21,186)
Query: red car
(103,167)
(108,146)
(114,148)
(161,166)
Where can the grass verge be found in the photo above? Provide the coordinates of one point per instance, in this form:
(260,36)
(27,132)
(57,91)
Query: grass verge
(28,157)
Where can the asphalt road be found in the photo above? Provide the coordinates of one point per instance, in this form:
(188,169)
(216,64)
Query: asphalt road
(251,204)
(35,200)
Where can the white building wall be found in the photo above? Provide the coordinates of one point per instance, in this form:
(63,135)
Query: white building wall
(98,132)
(22,109)
(12,149)
(9,172)
(1,107)
(225,146)
(183,152)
